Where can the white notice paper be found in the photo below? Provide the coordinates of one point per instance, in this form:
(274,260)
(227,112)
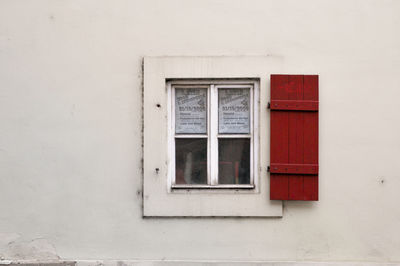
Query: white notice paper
(234,111)
(191,111)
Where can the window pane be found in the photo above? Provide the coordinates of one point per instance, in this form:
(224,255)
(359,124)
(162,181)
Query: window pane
(234,161)
(191,161)
(234,111)
(191,111)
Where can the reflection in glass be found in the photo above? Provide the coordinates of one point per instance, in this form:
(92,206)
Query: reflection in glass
(191,161)
(234,161)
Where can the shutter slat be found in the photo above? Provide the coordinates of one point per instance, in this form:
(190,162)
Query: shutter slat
(311,137)
(279,186)
(296,139)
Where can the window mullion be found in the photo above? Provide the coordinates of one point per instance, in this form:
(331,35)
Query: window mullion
(214,134)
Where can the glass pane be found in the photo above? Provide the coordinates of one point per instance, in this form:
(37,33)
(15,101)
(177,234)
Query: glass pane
(234,161)
(191,111)
(234,111)
(191,161)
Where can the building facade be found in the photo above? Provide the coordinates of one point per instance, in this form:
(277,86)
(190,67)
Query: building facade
(98,149)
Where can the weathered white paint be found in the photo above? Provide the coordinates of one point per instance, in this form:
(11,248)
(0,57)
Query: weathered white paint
(70,125)
(224,263)
(186,263)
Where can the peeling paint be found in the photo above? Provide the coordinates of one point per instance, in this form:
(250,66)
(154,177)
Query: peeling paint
(36,249)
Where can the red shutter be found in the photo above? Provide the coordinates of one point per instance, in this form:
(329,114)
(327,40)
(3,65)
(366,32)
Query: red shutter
(294,137)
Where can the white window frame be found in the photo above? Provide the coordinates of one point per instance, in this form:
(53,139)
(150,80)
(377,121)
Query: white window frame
(212,133)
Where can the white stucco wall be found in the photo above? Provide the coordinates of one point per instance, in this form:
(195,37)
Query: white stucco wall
(70,127)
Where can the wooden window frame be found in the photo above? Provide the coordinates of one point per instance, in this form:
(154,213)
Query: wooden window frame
(212,133)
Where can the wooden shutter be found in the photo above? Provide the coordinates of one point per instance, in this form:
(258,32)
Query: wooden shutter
(294,137)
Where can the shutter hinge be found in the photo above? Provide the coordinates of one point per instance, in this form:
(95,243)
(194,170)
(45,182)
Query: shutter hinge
(268,169)
(269,105)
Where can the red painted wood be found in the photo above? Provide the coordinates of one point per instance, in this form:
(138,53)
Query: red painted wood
(311,137)
(304,169)
(279,186)
(298,105)
(294,137)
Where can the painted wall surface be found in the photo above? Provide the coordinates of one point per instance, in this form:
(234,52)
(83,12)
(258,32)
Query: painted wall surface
(70,127)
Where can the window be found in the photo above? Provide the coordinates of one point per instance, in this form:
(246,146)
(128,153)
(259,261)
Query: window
(219,182)
(212,134)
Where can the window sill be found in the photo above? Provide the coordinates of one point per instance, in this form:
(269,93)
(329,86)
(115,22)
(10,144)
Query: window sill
(213,187)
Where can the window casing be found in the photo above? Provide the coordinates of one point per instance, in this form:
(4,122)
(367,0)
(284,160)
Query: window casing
(159,198)
(216,146)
